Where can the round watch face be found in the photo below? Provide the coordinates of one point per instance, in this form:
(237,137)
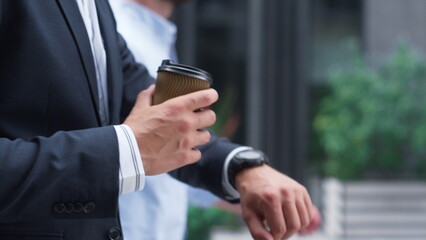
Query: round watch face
(249,155)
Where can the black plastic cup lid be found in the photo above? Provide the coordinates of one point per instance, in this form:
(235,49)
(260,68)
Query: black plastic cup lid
(170,66)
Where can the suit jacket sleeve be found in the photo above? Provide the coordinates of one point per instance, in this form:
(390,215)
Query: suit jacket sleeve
(69,166)
(208,172)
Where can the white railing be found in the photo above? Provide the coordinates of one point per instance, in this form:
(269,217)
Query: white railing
(374,210)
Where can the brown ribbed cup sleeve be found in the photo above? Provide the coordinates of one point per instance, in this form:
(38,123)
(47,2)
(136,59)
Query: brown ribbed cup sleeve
(170,85)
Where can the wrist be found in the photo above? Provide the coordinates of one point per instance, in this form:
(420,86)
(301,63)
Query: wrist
(242,179)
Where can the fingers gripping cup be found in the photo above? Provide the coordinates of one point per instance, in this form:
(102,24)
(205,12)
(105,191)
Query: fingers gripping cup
(174,80)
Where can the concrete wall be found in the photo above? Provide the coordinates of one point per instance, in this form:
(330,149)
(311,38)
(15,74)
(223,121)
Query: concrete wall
(388,22)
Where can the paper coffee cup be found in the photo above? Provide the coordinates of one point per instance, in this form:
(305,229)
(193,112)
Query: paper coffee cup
(174,80)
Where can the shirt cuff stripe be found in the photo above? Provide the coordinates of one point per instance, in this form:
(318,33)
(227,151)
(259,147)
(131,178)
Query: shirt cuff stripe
(133,157)
(132,174)
(121,182)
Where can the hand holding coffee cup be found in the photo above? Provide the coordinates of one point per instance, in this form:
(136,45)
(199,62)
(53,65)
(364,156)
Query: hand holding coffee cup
(174,80)
(168,134)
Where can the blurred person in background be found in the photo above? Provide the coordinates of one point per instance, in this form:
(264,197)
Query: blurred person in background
(164,201)
(151,37)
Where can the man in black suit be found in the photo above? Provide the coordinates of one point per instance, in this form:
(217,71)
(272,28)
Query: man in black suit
(76,131)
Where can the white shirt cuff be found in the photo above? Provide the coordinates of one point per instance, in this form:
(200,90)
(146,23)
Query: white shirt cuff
(233,194)
(131,173)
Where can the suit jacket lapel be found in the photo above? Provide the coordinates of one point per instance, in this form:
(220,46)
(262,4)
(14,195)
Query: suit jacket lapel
(109,35)
(79,32)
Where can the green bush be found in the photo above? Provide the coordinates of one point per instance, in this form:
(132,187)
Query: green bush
(201,221)
(374,120)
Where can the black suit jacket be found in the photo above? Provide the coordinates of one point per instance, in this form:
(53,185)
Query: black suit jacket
(58,165)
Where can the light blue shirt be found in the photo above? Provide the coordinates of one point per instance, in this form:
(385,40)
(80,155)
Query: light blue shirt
(159,212)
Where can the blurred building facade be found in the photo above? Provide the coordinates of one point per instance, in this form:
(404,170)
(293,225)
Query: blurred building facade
(275,56)
(259,50)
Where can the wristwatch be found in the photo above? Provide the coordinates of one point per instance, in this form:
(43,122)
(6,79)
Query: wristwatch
(243,160)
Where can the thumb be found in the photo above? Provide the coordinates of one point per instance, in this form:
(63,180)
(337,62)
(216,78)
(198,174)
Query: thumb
(144,98)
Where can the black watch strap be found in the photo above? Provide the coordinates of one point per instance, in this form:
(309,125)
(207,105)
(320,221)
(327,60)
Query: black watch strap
(243,160)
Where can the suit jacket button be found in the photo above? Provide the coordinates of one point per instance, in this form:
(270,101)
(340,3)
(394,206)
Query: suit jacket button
(59,208)
(89,206)
(114,234)
(79,207)
(70,208)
